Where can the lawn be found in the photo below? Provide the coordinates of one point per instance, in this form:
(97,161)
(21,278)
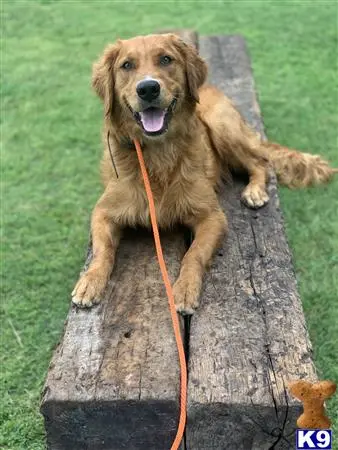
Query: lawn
(51,149)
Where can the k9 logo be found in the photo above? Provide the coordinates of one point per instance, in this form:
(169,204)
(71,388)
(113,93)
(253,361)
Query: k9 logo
(315,439)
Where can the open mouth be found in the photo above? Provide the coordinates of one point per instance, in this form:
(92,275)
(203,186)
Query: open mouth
(154,121)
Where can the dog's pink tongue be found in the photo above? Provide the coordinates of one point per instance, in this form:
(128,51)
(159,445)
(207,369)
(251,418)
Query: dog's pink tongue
(152,119)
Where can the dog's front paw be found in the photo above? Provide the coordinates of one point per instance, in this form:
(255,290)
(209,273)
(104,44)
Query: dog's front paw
(255,196)
(186,294)
(89,288)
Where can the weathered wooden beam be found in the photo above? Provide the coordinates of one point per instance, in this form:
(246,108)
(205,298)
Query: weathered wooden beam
(249,336)
(113,382)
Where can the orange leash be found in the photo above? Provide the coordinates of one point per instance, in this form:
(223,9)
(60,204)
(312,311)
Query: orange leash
(175,322)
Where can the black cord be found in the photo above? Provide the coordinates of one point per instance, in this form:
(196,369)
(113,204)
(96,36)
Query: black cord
(111,154)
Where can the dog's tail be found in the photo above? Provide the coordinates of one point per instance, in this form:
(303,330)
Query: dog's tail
(296,169)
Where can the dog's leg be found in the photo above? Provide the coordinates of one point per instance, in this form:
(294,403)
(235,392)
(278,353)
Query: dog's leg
(246,153)
(236,144)
(207,235)
(255,194)
(105,238)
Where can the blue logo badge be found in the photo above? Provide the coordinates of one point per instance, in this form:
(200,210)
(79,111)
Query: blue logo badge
(313,439)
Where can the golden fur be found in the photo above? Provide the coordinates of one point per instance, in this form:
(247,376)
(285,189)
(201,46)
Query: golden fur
(206,137)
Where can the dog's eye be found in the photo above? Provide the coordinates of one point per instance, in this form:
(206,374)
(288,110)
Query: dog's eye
(165,60)
(127,65)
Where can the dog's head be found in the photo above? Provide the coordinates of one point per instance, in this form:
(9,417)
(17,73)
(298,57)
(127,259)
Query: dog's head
(150,79)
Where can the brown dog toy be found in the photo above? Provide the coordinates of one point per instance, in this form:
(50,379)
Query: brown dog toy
(313,395)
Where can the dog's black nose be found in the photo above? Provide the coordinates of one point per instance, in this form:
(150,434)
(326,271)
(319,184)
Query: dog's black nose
(148,90)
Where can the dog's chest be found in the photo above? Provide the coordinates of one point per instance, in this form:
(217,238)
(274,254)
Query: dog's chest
(178,184)
(171,204)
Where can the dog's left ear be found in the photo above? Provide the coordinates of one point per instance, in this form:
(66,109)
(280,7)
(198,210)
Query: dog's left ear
(195,67)
(103,75)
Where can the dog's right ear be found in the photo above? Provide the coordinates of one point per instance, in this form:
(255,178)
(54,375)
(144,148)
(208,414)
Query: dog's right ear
(103,75)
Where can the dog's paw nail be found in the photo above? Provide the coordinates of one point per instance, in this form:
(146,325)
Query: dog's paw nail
(186,294)
(184,310)
(254,197)
(81,302)
(88,290)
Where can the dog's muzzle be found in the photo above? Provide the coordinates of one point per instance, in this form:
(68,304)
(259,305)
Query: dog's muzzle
(153,119)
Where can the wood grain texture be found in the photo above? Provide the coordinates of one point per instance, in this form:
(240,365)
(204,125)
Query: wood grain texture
(113,382)
(249,336)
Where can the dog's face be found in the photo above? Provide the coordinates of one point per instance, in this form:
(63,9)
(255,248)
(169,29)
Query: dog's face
(150,78)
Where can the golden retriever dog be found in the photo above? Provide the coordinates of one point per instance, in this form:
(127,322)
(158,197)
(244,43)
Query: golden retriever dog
(153,90)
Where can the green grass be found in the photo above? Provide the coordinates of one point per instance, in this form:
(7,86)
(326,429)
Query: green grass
(51,148)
